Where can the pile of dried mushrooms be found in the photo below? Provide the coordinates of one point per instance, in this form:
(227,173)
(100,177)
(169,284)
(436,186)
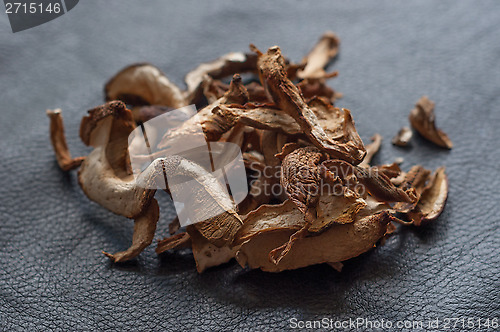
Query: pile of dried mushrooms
(332,206)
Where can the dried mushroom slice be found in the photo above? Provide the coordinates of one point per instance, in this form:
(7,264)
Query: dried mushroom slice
(58,139)
(338,243)
(422,118)
(144,84)
(403,137)
(300,177)
(104,178)
(432,200)
(287,96)
(318,88)
(175,242)
(318,58)
(261,117)
(336,209)
(108,183)
(205,253)
(415,179)
(226,65)
(371,150)
(330,118)
(375,182)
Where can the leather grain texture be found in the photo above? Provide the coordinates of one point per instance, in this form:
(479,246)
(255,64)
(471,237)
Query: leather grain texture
(52,273)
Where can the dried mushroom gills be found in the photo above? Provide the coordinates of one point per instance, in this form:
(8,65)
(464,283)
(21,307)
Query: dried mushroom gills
(287,96)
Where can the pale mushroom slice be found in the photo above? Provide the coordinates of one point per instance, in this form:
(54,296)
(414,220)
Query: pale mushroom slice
(58,140)
(318,58)
(338,243)
(422,118)
(105,180)
(226,65)
(403,137)
(144,84)
(287,96)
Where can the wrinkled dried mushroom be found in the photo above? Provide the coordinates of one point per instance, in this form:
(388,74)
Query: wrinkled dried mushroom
(313,195)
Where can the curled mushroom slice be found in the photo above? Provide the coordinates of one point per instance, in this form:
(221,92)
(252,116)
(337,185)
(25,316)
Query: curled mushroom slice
(422,118)
(105,180)
(371,150)
(144,84)
(338,243)
(287,96)
(226,65)
(432,200)
(318,58)
(63,156)
(403,137)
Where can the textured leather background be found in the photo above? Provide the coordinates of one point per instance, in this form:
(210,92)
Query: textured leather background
(52,274)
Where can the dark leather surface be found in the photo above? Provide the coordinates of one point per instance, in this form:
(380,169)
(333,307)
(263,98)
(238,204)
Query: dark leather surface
(52,273)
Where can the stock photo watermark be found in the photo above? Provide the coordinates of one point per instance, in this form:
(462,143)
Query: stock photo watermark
(26,14)
(364,324)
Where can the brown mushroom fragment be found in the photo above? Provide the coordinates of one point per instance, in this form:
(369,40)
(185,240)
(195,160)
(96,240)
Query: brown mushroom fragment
(300,177)
(144,84)
(375,182)
(338,243)
(205,253)
(226,65)
(260,117)
(403,137)
(318,58)
(58,139)
(416,178)
(422,118)
(432,200)
(371,150)
(178,241)
(286,95)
